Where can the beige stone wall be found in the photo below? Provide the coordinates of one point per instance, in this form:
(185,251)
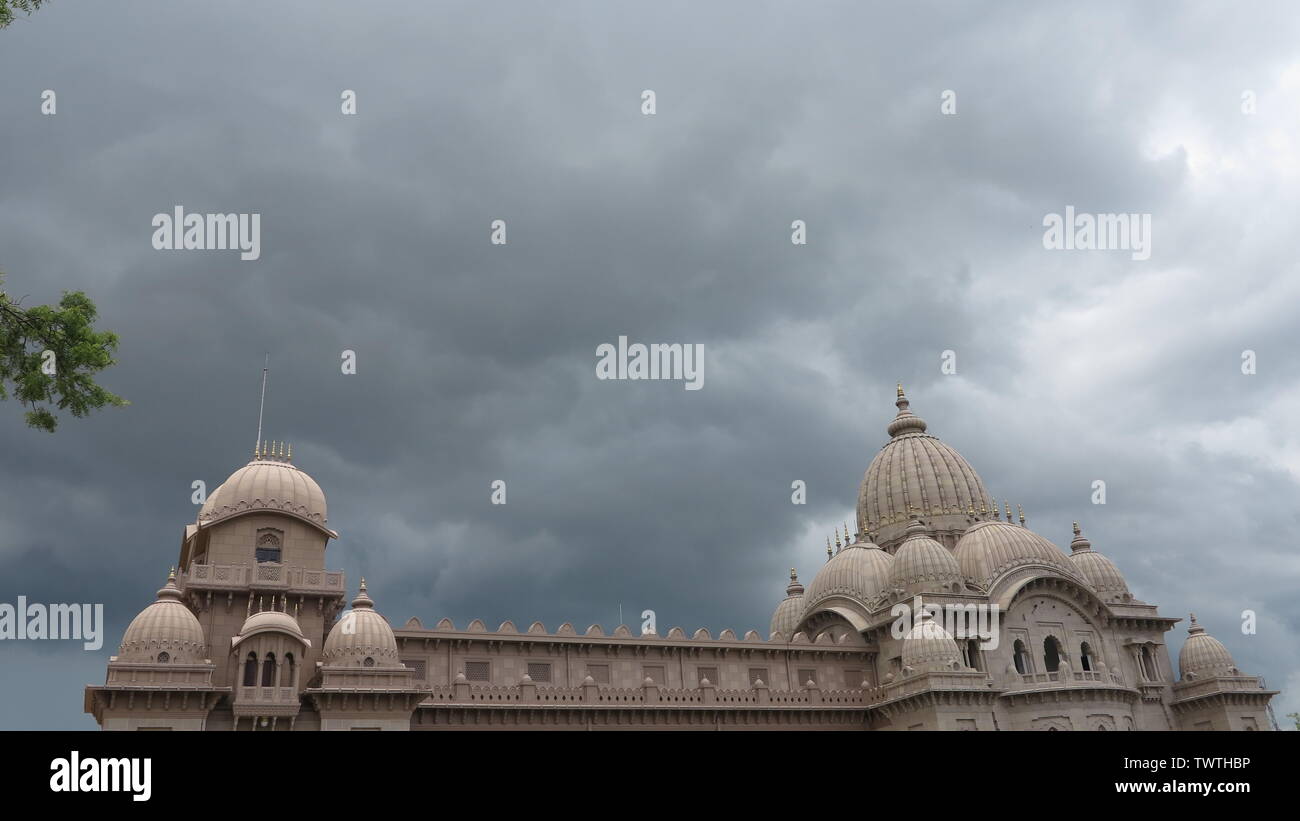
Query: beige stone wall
(676,664)
(232,541)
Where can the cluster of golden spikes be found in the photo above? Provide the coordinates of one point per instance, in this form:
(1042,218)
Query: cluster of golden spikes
(273,450)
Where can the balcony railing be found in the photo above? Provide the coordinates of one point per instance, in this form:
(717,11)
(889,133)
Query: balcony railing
(262,576)
(265,695)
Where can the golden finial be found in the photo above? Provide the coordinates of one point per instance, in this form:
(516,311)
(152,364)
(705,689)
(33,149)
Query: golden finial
(1021,510)
(1077,531)
(996,515)
(900,390)
(1008,504)
(828,548)
(846,533)
(363,584)
(983,508)
(794,577)
(171,573)
(837,538)
(290,451)
(970,508)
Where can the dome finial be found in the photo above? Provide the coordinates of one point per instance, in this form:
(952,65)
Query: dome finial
(170,590)
(996,514)
(363,599)
(905,421)
(828,548)
(1079,542)
(1021,511)
(1008,504)
(847,534)
(794,588)
(838,545)
(1194,628)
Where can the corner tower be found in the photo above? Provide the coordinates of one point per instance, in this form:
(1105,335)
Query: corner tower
(258,545)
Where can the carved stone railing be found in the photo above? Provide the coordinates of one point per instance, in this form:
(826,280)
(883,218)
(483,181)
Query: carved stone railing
(594,695)
(269,576)
(1075,677)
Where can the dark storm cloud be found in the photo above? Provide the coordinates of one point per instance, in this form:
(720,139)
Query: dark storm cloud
(477,362)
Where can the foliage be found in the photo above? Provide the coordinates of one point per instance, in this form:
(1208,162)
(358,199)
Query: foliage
(50,355)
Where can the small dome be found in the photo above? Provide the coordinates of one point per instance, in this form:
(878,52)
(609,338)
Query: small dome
(859,571)
(914,471)
(927,647)
(270,621)
(786,616)
(362,638)
(268,483)
(923,565)
(1097,570)
(989,549)
(1204,655)
(166,626)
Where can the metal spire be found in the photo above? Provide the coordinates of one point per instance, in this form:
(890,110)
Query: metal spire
(262,404)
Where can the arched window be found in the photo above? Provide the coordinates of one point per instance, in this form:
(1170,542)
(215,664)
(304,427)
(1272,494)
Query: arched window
(250,671)
(163,657)
(1149,664)
(267,547)
(1085,658)
(268,671)
(369,662)
(286,674)
(1051,654)
(1021,657)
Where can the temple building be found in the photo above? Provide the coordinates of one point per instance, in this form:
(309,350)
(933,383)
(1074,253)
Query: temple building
(939,613)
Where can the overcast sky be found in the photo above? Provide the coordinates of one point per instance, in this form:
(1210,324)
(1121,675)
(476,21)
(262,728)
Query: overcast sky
(476,362)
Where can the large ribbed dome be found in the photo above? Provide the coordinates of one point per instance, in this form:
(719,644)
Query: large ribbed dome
(1099,572)
(362,638)
(269,482)
(922,565)
(916,473)
(1204,655)
(859,571)
(165,627)
(786,616)
(989,549)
